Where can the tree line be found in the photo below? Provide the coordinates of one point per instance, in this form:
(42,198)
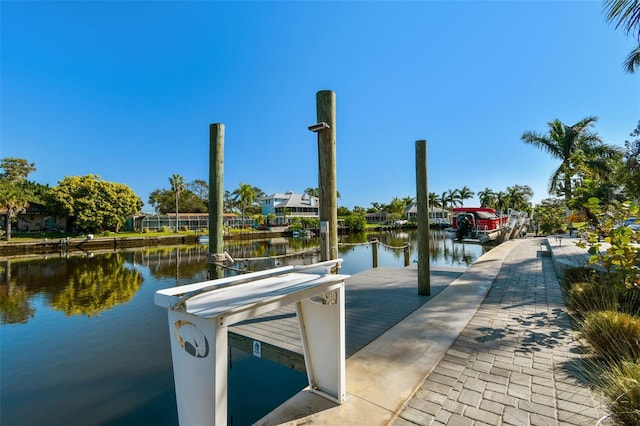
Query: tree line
(587,168)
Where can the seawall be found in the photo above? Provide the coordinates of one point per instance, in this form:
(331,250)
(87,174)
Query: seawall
(56,245)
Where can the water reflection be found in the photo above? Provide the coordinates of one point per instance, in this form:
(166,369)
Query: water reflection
(14,299)
(78,285)
(443,251)
(106,344)
(183,264)
(87,285)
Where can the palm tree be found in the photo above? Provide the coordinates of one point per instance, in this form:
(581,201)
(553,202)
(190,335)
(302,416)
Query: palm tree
(518,196)
(245,194)
(487,198)
(453,197)
(575,146)
(228,201)
(14,200)
(465,194)
(434,201)
(626,14)
(177,186)
(501,201)
(271,218)
(396,208)
(443,200)
(376,206)
(13,194)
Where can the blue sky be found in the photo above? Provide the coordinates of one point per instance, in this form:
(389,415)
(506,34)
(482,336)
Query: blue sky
(127,90)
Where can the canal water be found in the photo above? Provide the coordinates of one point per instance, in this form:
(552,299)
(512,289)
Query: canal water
(82,343)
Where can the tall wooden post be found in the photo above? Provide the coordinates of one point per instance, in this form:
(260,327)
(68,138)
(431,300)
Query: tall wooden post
(374,252)
(216,193)
(327,186)
(424,269)
(407,254)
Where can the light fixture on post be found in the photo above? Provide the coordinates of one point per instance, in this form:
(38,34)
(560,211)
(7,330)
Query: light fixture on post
(324,225)
(315,128)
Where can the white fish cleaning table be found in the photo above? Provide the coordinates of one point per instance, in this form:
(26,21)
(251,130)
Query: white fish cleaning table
(200,314)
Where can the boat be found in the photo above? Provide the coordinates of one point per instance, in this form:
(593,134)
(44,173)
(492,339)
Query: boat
(303,233)
(484,225)
(439,223)
(203,239)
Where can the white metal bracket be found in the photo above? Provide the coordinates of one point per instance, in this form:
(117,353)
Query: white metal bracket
(199,315)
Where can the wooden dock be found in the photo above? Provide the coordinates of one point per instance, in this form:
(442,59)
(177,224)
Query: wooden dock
(376,300)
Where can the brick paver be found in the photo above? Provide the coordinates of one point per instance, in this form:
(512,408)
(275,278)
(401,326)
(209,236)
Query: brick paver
(512,363)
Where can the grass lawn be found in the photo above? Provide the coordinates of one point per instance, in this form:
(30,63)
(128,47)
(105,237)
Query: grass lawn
(21,237)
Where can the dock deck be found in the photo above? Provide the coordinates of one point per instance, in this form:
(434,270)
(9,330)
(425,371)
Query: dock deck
(376,300)
(498,332)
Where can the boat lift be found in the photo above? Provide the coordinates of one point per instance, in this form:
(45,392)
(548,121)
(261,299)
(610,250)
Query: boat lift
(200,314)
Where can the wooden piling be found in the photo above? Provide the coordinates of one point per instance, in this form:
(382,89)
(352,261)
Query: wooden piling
(216,193)
(407,255)
(327,186)
(424,270)
(374,252)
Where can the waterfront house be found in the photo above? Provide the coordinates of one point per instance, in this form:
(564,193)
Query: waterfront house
(35,218)
(192,221)
(377,217)
(287,206)
(437,215)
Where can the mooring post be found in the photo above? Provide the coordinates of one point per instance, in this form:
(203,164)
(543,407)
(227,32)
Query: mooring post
(327,186)
(424,269)
(216,193)
(374,252)
(407,254)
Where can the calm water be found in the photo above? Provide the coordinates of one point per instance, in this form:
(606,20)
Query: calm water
(83,344)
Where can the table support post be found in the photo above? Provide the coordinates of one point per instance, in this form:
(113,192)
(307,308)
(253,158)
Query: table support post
(200,362)
(322,328)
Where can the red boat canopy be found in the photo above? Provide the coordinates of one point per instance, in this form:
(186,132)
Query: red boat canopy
(480,212)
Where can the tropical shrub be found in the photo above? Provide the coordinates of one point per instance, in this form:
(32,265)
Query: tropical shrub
(613,335)
(578,274)
(591,296)
(296,225)
(620,258)
(357,222)
(550,217)
(620,384)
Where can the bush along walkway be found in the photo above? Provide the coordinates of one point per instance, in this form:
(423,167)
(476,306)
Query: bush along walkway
(517,362)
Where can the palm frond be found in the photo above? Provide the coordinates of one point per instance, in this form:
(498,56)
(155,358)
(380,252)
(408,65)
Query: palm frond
(632,61)
(555,179)
(623,13)
(542,142)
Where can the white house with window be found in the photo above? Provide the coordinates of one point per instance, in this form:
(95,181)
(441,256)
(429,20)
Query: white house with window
(437,216)
(287,206)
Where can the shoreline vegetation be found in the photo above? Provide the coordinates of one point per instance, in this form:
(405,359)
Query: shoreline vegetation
(55,242)
(27,244)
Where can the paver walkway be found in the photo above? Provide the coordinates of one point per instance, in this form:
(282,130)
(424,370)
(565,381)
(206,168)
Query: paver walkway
(513,363)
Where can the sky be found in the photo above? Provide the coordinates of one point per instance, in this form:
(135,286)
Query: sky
(126,90)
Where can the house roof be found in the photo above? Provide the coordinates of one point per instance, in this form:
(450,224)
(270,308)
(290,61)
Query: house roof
(277,195)
(291,200)
(413,208)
